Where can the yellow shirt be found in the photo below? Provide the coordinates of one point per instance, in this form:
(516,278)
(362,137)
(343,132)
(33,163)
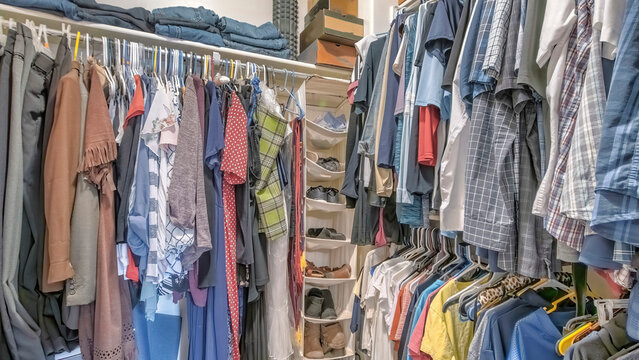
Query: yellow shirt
(446,337)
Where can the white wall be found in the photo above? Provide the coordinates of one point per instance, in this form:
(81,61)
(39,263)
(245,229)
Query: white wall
(377,15)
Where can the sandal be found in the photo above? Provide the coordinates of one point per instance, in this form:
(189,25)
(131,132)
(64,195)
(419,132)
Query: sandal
(313,271)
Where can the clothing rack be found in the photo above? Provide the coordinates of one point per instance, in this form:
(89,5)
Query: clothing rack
(281,67)
(230,65)
(408,5)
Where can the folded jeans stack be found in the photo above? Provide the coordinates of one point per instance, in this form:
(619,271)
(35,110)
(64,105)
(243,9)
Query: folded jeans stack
(264,39)
(89,10)
(187,23)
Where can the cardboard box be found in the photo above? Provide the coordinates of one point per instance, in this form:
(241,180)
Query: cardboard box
(346,7)
(334,27)
(322,52)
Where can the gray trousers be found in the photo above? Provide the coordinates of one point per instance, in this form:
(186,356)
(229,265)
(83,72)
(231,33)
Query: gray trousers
(25,330)
(6,335)
(44,308)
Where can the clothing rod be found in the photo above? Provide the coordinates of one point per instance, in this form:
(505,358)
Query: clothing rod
(408,5)
(281,66)
(187,55)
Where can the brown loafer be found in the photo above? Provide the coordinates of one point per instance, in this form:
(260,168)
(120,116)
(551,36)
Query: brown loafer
(343,272)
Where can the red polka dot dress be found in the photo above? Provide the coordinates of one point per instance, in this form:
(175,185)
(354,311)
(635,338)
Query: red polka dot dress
(234,163)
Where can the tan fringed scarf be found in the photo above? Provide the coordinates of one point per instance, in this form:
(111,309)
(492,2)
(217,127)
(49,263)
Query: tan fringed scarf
(106,331)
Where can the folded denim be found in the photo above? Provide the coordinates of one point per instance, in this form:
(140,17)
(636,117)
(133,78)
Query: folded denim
(264,31)
(196,18)
(192,25)
(272,44)
(65,7)
(115,19)
(186,33)
(89,10)
(133,18)
(284,54)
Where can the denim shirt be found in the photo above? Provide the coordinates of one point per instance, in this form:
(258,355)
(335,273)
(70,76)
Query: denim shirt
(465,86)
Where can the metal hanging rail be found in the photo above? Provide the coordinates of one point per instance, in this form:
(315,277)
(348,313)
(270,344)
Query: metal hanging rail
(280,66)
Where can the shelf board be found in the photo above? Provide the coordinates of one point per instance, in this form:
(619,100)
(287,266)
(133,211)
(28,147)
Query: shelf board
(321,205)
(345,315)
(349,353)
(327,281)
(314,244)
(97,30)
(321,137)
(315,172)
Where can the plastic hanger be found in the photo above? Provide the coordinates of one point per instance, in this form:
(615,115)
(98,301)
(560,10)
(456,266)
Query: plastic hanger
(87,41)
(606,308)
(224,79)
(456,298)
(569,296)
(105,61)
(77,43)
(565,342)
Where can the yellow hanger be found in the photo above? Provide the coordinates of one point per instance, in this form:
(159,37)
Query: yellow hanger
(531,286)
(570,295)
(77,43)
(569,339)
(205,68)
(155,60)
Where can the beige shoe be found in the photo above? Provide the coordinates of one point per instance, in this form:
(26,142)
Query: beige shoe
(333,336)
(312,347)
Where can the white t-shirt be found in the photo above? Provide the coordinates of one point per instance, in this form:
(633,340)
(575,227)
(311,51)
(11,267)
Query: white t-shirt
(559,20)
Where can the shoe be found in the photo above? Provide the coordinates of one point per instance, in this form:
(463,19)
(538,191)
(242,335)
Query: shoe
(312,346)
(343,272)
(317,193)
(313,271)
(325,233)
(313,156)
(314,303)
(332,336)
(330,164)
(332,195)
(328,306)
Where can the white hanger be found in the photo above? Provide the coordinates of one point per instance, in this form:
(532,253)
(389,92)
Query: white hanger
(87,40)
(223,78)
(606,308)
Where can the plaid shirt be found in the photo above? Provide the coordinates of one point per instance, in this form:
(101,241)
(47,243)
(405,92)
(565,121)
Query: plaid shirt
(616,204)
(566,230)
(482,82)
(578,199)
(497,39)
(268,191)
(490,195)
